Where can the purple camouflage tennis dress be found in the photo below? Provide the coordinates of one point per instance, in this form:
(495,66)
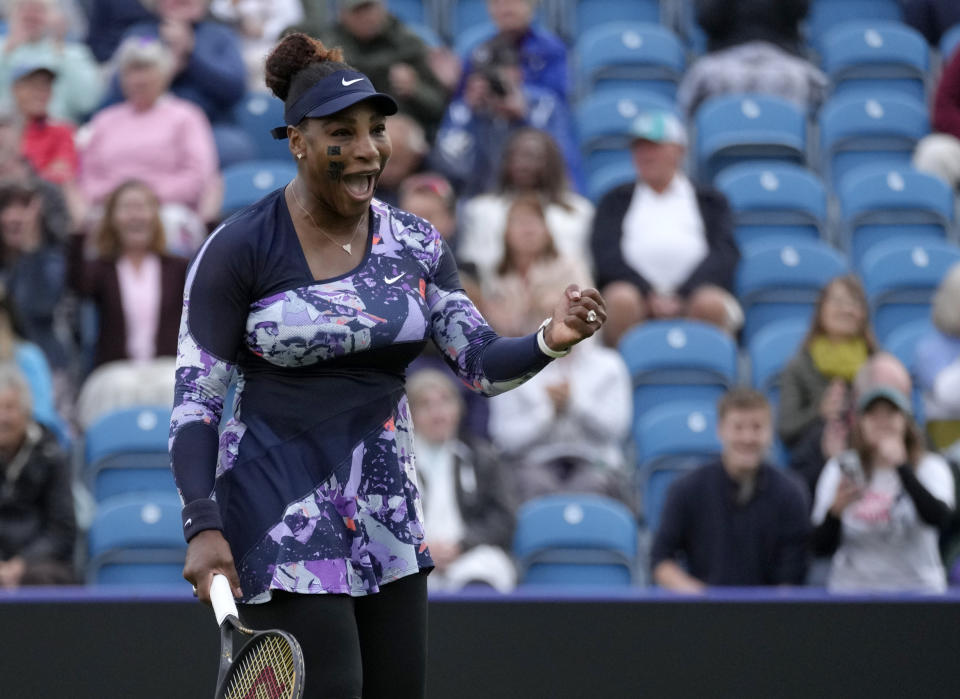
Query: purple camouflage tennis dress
(315,484)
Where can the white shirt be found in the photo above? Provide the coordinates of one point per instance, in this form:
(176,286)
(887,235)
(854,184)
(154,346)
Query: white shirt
(884,543)
(664,238)
(441,512)
(598,415)
(140,298)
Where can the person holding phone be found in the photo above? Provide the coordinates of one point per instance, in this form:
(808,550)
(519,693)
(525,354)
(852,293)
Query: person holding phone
(879,507)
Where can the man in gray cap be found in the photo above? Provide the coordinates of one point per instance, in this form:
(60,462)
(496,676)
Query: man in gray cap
(662,246)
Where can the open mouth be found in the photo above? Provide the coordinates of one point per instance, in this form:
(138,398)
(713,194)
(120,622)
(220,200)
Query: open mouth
(360,185)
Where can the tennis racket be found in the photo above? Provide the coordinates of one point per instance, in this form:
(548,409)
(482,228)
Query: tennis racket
(268,666)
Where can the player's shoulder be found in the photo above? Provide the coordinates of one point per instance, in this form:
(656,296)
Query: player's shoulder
(409,230)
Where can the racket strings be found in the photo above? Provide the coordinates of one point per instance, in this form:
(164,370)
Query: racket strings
(266,671)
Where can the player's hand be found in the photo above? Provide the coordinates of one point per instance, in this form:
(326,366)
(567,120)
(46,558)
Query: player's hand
(577,315)
(208,553)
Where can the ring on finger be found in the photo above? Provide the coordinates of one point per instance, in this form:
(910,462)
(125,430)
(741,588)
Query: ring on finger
(591,316)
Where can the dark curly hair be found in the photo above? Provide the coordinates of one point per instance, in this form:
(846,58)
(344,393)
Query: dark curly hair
(299,61)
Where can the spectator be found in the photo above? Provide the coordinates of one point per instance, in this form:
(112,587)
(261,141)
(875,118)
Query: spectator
(109,19)
(736,521)
(532,164)
(471,143)
(37,521)
(937,364)
(879,506)
(153,136)
(31,362)
(542,56)
(137,288)
(410,147)
(394,57)
(663,247)
(46,144)
(932,18)
(208,69)
(815,384)
(567,431)
(753,46)
(58,217)
(430,196)
(521,291)
(939,152)
(33,269)
(35,37)
(467,511)
(259,24)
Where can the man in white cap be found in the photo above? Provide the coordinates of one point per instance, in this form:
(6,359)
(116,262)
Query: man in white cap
(662,246)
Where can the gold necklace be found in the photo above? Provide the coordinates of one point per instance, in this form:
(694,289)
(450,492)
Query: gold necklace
(347,247)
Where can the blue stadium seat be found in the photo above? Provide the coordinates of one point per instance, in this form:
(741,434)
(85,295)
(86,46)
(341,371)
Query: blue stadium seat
(881,126)
(575,540)
(781,278)
(468,13)
(736,128)
(126,451)
(245,183)
(593,13)
(824,15)
(411,11)
(603,123)
(949,42)
(771,347)
(677,360)
(872,54)
(900,278)
(632,55)
(137,539)
(257,113)
(602,180)
(672,439)
(879,204)
(465,41)
(774,199)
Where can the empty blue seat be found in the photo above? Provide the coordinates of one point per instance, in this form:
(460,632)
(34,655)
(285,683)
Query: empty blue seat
(631,55)
(900,278)
(575,540)
(245,183)
(735,128)
(781,278)
(825,15)
(875,127)
(770,349)
(605,178)
(411,11)
(902,343)
(604,120)
(774,199)
(672,439)
(257,113)
(879,204)
(470,37)
(677,360)
(872,53)
(126,451)
(137,539)
(593,13)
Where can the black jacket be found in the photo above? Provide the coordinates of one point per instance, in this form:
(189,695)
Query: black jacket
(37,518)
(717,268)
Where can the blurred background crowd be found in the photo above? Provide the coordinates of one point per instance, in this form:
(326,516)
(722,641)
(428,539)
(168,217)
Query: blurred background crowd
(765,191)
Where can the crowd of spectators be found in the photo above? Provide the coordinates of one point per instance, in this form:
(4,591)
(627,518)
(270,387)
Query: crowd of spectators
(117,122)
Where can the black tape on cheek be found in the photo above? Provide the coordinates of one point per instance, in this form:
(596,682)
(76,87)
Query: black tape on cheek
(333,150)
(335,170)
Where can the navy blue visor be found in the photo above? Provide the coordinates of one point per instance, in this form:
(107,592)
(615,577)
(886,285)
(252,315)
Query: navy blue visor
(331,95)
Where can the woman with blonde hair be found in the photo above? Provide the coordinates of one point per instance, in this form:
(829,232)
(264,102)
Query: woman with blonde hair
(134,284)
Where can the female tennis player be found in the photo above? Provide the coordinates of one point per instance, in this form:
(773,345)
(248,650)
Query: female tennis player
(316,298)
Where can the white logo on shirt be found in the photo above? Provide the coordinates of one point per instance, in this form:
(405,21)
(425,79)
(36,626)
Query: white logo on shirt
(391,281)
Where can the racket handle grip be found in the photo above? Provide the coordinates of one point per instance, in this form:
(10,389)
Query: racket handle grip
(221,597)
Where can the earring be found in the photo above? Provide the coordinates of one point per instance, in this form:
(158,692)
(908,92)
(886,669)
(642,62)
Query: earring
(299,156)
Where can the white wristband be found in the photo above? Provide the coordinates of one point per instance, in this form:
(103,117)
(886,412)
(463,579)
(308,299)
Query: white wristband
(542,342)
